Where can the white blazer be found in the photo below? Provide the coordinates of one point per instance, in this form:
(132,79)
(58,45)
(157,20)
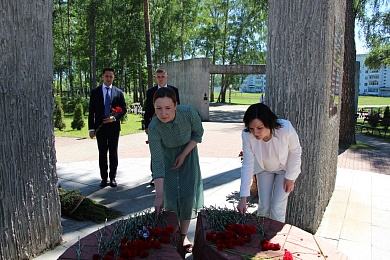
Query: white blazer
(289,150)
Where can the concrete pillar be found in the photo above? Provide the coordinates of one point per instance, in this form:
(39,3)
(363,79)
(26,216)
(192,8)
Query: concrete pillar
(192,78)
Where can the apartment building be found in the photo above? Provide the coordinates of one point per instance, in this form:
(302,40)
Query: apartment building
(371,82)
(253,84)
(374,82)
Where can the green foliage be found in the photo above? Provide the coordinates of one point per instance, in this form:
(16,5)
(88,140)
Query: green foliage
(58,115)
(378,57)
(386,118)
(69,103)
(373,119)
(385,122)
(78,121)
(76,206)
(374,17)
(386,114)
(224,31)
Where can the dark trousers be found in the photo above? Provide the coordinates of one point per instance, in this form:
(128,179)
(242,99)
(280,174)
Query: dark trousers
(108,142)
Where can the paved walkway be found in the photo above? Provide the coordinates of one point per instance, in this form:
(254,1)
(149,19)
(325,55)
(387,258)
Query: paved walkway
(356,220)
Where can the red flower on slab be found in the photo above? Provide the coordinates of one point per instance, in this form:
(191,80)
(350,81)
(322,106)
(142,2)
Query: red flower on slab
(287,255)
(234,234)
(266,245)
(145,238)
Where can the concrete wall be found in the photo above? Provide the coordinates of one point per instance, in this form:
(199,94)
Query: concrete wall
(192,78)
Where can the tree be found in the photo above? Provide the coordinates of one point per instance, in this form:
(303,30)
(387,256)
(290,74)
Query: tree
(148,44)
(78,120)
(378,36)
(356,9)
(59,115)
(347,97)
(30,219)
(304,64)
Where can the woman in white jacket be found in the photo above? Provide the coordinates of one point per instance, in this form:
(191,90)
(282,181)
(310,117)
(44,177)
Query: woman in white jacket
(271,149)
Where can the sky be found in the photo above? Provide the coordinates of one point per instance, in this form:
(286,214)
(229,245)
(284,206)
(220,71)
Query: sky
(360,44)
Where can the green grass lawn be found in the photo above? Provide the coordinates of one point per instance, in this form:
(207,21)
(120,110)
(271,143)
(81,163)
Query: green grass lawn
(131,126)
(238,98)
(376,101)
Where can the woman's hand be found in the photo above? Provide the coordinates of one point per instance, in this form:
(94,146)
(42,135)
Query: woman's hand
(159,199)
(180,159)
(242,205)
(158,205)
(288,185)
(178,162)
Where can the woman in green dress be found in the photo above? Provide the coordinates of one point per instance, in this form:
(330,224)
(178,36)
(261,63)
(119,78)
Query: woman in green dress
(173,136)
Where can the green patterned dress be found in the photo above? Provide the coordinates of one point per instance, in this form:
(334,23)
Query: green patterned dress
(183,188)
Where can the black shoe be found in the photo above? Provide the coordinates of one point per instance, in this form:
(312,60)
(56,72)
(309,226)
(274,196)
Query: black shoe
(113,183)
(103,183)
(151,183)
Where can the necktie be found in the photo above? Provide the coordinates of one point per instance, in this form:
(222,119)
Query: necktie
(107,104)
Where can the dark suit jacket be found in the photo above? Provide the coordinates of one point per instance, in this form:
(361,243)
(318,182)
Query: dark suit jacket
(149,108)
(96,108)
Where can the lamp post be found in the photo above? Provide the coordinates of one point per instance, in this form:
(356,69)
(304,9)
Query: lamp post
(230,93)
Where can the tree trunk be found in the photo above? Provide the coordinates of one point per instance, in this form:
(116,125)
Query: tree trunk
(69,52)
(304,66)
(182,30)
(30,220)
(148,45)
(347,98)
(92,43)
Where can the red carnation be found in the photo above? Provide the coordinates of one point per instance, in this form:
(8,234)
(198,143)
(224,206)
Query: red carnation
(287,255)
(125,253)
(240,241)
(247,238)
(165,239)
(221,246)
(210,236)
(110,252)
(131,244)
(133,252)
(156,231)
(164,232)
(116,109)
(96,257)
(144,253)
(157,245)
(170,229)
(140,244)
(123,246)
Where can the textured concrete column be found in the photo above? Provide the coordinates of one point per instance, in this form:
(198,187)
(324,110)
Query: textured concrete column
(192,78)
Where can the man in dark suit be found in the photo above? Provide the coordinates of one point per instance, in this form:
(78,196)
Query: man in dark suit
(104,123)
(161,79)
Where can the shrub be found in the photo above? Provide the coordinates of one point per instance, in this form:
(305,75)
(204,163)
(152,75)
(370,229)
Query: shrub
(78,120)
(386,114)
(59,115)
(373,119)
(69,103)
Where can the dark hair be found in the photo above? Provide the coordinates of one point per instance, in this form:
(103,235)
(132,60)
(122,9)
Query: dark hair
(263,113)
(108,69)
(165,92)
(161,70)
